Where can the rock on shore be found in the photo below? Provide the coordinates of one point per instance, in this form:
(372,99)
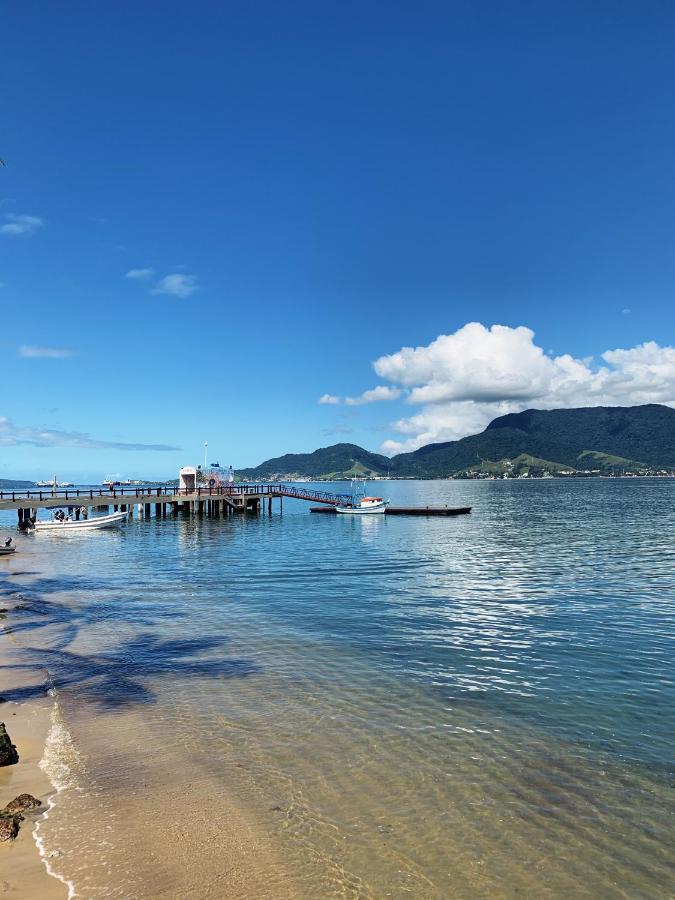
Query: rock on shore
(20,804)
(8,754)
(10,816)
(9,827)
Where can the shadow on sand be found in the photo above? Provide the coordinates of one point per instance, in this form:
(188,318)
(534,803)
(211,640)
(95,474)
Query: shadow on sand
(117,676)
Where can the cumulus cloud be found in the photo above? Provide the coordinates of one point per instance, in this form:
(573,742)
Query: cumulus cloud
(375,395)
(330,399)
(462,380)
(21,225)
(177,284)
(30,351)
(140,274)
(12,435)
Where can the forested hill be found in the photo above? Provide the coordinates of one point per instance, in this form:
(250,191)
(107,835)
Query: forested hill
(611,437)
(645,434)
(346,460)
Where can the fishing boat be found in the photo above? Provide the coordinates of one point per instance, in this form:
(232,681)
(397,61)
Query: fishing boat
(80,524)
(361,505)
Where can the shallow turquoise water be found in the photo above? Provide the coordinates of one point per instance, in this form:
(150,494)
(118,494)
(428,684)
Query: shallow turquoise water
(505,679)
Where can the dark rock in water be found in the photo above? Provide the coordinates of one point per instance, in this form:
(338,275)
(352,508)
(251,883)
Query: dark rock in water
(9,827)
(20,804)
(8,754)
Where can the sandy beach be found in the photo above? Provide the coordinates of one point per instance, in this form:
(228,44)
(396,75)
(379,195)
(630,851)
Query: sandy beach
(23,873)
(177,836)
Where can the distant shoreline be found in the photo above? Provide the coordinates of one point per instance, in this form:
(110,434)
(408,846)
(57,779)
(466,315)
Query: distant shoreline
(9,485)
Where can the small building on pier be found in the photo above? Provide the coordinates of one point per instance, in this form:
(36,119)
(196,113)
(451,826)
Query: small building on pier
(187,479)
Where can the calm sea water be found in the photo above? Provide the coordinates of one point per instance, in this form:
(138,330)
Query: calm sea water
(398,707)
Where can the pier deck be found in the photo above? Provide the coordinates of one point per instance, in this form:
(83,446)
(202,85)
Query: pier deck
(46,498)
(220,500)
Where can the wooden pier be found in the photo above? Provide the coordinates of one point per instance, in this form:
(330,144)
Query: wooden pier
(212,501)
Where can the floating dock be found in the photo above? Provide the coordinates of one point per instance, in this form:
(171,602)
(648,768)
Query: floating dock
(408,510)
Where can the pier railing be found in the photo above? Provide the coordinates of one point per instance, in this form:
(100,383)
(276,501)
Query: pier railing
(314,496)
(147,492)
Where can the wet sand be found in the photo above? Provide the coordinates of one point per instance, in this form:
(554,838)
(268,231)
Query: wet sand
(147,821)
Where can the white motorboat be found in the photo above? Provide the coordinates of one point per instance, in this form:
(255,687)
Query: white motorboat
(80,524)
(360,504)
(365,505)
(6,551)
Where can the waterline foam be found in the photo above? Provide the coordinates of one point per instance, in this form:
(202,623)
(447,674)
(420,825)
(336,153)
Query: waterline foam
(59,764)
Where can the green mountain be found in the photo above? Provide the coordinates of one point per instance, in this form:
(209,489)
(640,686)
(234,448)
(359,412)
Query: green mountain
(634,433)
(340,460)
(597,438)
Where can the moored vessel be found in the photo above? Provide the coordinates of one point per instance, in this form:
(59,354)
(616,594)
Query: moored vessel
(361,505)
(67,524)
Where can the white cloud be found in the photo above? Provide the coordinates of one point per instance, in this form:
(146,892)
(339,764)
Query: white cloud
(30,351)
(12,435)
(177,285)
(461,381)
(140,274)
(375,395)
(17,225)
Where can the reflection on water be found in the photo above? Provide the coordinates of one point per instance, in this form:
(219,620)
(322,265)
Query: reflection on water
(470,707)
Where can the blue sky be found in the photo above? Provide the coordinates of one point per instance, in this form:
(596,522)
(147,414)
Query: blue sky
(301,190)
